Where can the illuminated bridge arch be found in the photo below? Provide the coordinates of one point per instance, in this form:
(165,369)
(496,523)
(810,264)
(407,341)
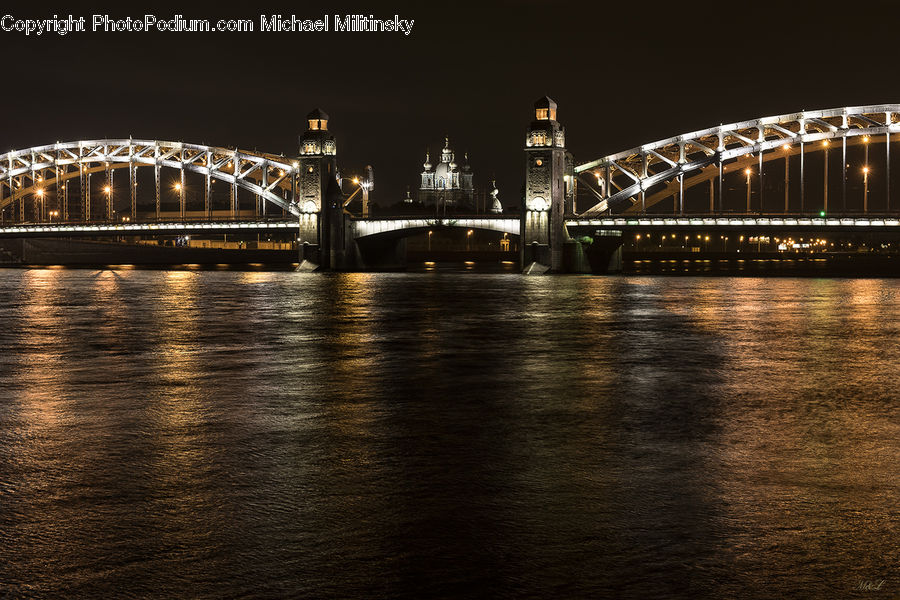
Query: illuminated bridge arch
(637,179)
(404,227)
(33,171)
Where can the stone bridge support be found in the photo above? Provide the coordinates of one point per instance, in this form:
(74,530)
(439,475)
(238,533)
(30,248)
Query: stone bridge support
(549,196)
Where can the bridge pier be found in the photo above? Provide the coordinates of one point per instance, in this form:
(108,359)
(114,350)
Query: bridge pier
(318,197)
(308,237)
(337,244)
(549,190)
(598,254)
(380,254)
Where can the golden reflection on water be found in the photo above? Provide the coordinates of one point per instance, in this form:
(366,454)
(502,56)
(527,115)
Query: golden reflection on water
(706,428)
(788,436)
(177,404)
(42,369)
(252,277)
(352,354)
(41,402)
(175,359)
(350,411)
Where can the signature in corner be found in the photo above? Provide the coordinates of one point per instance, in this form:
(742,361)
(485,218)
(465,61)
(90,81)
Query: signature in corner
(870,585)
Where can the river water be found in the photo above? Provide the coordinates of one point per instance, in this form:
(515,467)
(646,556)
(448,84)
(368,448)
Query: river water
(447,435)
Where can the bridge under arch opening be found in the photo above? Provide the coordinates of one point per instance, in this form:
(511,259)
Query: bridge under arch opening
(405,227)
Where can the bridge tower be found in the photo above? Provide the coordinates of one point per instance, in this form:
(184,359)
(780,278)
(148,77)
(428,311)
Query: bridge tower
(317,172)
(549,187)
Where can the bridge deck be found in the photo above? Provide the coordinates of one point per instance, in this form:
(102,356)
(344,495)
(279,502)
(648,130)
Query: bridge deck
(503,224)
(754,222)
(136,229)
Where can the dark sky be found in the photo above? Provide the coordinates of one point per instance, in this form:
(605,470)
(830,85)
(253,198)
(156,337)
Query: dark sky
(624,73)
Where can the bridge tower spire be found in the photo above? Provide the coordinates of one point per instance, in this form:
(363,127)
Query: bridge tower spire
(317,172)
(549,188)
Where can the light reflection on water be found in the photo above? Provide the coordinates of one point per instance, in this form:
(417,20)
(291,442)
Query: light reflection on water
(446,435)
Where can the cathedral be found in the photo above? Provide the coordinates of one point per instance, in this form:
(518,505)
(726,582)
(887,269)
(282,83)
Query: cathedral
(447,184)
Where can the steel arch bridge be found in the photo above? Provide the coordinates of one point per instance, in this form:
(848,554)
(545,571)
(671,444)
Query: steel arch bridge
(32,172)
(639,178)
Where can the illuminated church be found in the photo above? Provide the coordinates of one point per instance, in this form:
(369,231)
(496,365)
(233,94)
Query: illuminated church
(447,184)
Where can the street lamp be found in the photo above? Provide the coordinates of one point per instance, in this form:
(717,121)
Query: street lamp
(787,176)
(468,238)
(825,143)
(865,173)
(866,189)
(107,189)
(365,186)
(747,172)
(40,195)
(180,189)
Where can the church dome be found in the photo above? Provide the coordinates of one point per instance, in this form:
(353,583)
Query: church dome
(442,171)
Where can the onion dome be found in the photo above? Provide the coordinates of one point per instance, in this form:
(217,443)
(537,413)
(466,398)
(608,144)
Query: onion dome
(496,206)
(446,153)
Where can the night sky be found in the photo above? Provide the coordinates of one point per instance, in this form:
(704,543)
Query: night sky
(623,74)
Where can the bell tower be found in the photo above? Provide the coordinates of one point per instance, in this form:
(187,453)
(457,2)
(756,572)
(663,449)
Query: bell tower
(548,186)
(317,169)
(317,162)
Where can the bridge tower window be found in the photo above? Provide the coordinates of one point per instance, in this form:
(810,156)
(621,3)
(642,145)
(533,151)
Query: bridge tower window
(318,120)
(545,114)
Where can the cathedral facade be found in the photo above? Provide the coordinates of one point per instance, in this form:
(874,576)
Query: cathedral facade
(447,184)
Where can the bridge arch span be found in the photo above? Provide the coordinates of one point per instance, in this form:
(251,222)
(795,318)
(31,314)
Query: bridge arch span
(24,172)
(405,227)
(629,181)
